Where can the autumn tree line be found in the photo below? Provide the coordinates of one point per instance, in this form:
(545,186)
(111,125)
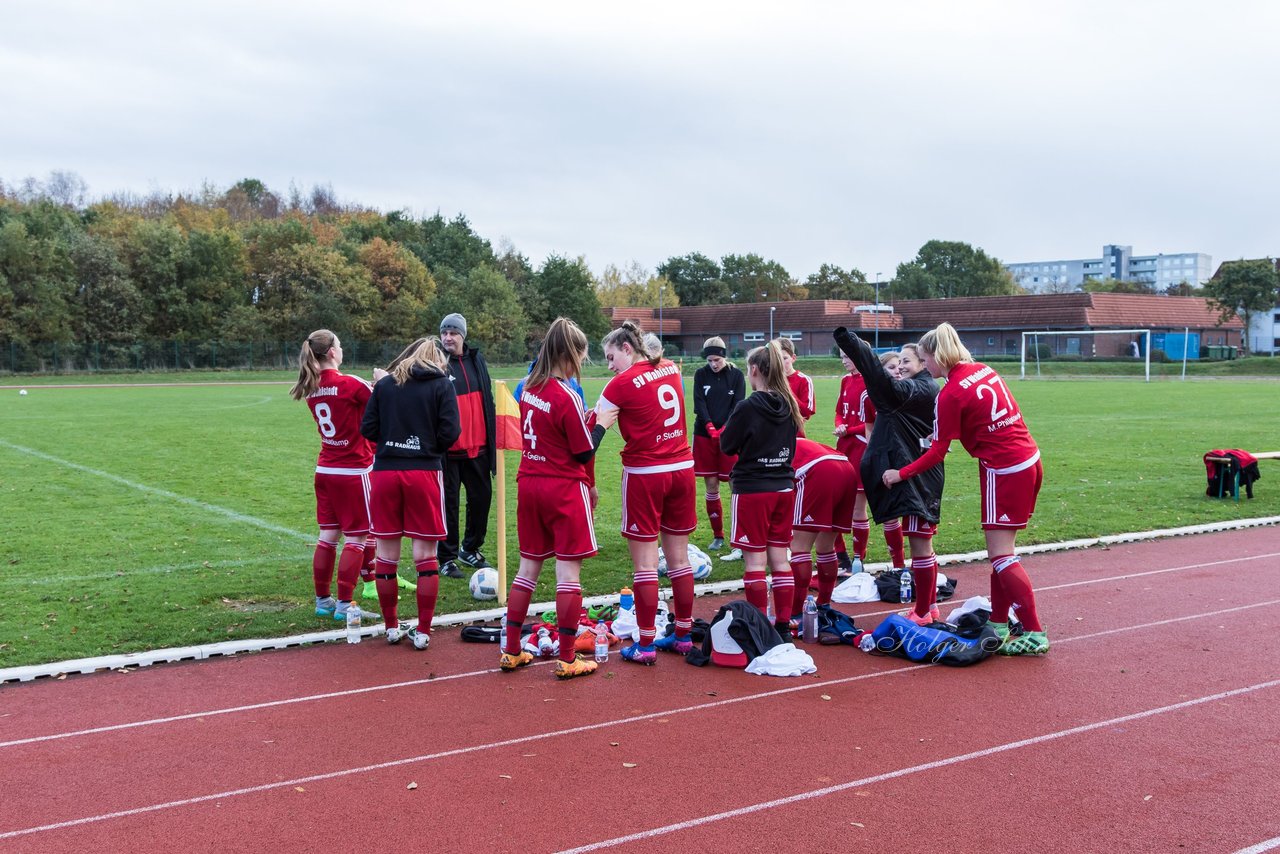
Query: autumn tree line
(245,264)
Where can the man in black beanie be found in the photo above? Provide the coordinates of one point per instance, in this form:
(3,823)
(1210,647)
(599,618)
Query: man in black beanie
(472,461)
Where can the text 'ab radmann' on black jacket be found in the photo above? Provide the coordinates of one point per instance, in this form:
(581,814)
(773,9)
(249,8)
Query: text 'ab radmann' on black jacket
(904,423)
(762,433)
(412,425)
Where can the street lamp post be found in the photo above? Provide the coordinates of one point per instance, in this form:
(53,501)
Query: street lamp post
(660,290)
(772,309)
(877,311)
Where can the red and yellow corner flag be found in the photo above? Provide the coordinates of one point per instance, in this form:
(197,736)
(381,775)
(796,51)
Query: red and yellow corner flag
(508,428)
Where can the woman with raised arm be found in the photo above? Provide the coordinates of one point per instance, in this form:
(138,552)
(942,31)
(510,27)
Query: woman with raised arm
(659,490)
(976,407)
(904,420)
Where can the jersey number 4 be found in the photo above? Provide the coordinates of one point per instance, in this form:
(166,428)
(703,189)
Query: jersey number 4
(528,430)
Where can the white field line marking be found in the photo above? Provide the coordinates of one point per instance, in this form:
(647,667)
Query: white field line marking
(459,751)
(1261,846)
(163,493)
(411,683)
(157,570)
(926,766)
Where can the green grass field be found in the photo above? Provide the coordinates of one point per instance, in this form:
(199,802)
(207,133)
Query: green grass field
(144,517)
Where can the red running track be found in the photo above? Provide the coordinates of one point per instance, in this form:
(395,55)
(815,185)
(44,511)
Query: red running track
(1151,726)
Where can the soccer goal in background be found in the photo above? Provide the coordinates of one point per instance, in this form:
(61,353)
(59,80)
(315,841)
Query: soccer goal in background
(1093,345)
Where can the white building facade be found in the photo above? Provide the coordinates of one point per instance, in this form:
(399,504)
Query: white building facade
(1117,262)
(1264,333)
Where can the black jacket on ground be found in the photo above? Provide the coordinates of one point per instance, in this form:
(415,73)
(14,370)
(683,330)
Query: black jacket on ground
(715,394)
(411,425)
(470,371)
(904,417)
(750,629)
(763,434)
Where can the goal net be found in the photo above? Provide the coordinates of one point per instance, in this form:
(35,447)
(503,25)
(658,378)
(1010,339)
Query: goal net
(1126,352)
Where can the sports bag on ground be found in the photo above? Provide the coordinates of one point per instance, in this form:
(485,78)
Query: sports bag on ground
(940,643)
(890,586)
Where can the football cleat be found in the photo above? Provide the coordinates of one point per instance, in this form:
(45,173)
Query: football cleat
(637,654)
(1027,643)
(578,667)
(509,662)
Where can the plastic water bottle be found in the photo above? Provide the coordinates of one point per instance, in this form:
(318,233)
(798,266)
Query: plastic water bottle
(626,601)
(905,586)
(809,629)
(353,623)
(867,643)
(545,647)
(768,605)
(602,643)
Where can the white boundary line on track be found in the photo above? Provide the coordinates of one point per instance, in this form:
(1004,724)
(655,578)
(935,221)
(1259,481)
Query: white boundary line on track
(414,682)
(205,651)
(1266,845)
(163,493)
(915,769)
(636,718)
(476,748)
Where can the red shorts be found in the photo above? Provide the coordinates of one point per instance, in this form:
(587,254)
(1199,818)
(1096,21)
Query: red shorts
(824,498)
(914,526)
(1009,494)
(553,517)
(854,453)
(342,503)
(762,519)
(408,504)
(707,459)
(654,502)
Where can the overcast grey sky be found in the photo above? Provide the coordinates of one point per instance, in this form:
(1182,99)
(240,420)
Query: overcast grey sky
(806,132)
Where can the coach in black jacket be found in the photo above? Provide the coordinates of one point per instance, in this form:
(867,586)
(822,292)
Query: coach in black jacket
(904,419)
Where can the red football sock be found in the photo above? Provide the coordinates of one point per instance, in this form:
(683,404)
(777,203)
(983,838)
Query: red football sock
(517,609)
(802,573)
(715,514)
(999,601)
(861,533)
(784,586)
(924,577)
(322,567)
(828,568)
(370,556)
(1017,587)
(893,539)
(682,597)
(388,591)
(349,569)
(568,617)
(645,588)
(756,589)
(428,589)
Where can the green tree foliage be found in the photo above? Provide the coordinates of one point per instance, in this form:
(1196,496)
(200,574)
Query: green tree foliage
(1115,286)
(451,247)
(696,279)
(750,278)
(496,321)
(1244,288)
(634,287)
(831,282)
(945,268)
(568,289)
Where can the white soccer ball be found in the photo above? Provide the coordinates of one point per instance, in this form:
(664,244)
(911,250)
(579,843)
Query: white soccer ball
(23,392)
(484,584)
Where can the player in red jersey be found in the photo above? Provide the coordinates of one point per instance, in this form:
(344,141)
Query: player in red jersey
(762,434)
(646,400)
(412,419)
(976,407)
(337,402)
(553,515)
(801,384)
(823,509)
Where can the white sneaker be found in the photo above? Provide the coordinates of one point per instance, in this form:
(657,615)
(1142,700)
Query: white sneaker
(734,554)
(421,640)
(395,633)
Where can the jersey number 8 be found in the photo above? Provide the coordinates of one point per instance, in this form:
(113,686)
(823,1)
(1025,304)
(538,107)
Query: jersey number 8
(324,417)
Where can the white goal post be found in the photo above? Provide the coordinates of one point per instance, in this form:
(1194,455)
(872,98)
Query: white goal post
(1034,338)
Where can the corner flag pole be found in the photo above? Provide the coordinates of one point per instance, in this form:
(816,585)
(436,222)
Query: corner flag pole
(508,439)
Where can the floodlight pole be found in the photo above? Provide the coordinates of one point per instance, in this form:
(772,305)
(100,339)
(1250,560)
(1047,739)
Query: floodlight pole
(877,311)
(772,309)
(660,290)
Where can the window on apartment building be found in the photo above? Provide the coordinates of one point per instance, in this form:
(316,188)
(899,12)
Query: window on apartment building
(752,337)
(991,341)
(1277,318)
(793,336)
